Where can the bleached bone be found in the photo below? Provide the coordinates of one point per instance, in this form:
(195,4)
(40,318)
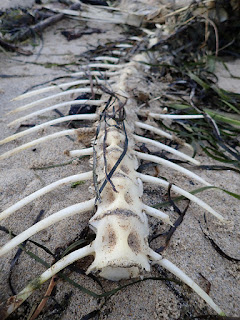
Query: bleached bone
(120,223)
(162,133)
(157,214)
(55,135)
(64,85)
(79,153)
(166,148)
(43,100)
(18,205)
(57,106)
(165,184)
(91,116)
(157,259)
(135,38)
(118,52)
(106,58)
(155,130)
(18,299)
(121,248)
(55,87)
(124,45)
(174,116)
(172,165)
(47,222)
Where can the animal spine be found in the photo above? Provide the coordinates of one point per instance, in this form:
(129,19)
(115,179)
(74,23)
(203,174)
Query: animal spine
(121,226)
(121,247)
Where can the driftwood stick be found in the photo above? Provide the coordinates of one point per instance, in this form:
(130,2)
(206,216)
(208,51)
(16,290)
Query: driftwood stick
(11,47)
(39,27)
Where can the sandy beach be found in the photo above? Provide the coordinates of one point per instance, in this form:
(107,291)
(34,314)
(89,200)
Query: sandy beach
(21,175)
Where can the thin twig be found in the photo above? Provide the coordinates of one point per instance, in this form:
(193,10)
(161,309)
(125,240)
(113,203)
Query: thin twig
(45,298)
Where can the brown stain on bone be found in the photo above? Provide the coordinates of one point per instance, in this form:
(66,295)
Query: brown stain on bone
(124,169)
(112,239)
(133,242)
(128,198)
(110,195)
(121,213)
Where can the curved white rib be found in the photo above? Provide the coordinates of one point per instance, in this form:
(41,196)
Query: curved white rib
(43,100)
(174,116)
(91,116)
(57,106)
(170,165)
(157,259)
(155,130)
(164,147)
(161,133)
(18,299)
(38,141)
(165,184)
(59,86)
(43,224)
(62,85)
(18,205)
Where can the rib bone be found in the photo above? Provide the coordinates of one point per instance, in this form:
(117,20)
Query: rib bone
(175,116)
(172,165)
(80,153)
(157,259)
(64,85)
(43,224)
(157,214)
(57,106)
(164,147)
(165,184)
(50,123)
(78,177)
(30,144)
(58,95)
(15,301)
(161,133)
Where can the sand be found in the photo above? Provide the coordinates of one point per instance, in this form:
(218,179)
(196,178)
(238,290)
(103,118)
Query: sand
(188,248)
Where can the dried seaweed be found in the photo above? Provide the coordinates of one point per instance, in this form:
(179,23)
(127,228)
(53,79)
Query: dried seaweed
(75,34)
(18,254)
(11,47)
(188,57)
(216,247)
(179,198)
(48,293)
(176,224)
(17,25)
